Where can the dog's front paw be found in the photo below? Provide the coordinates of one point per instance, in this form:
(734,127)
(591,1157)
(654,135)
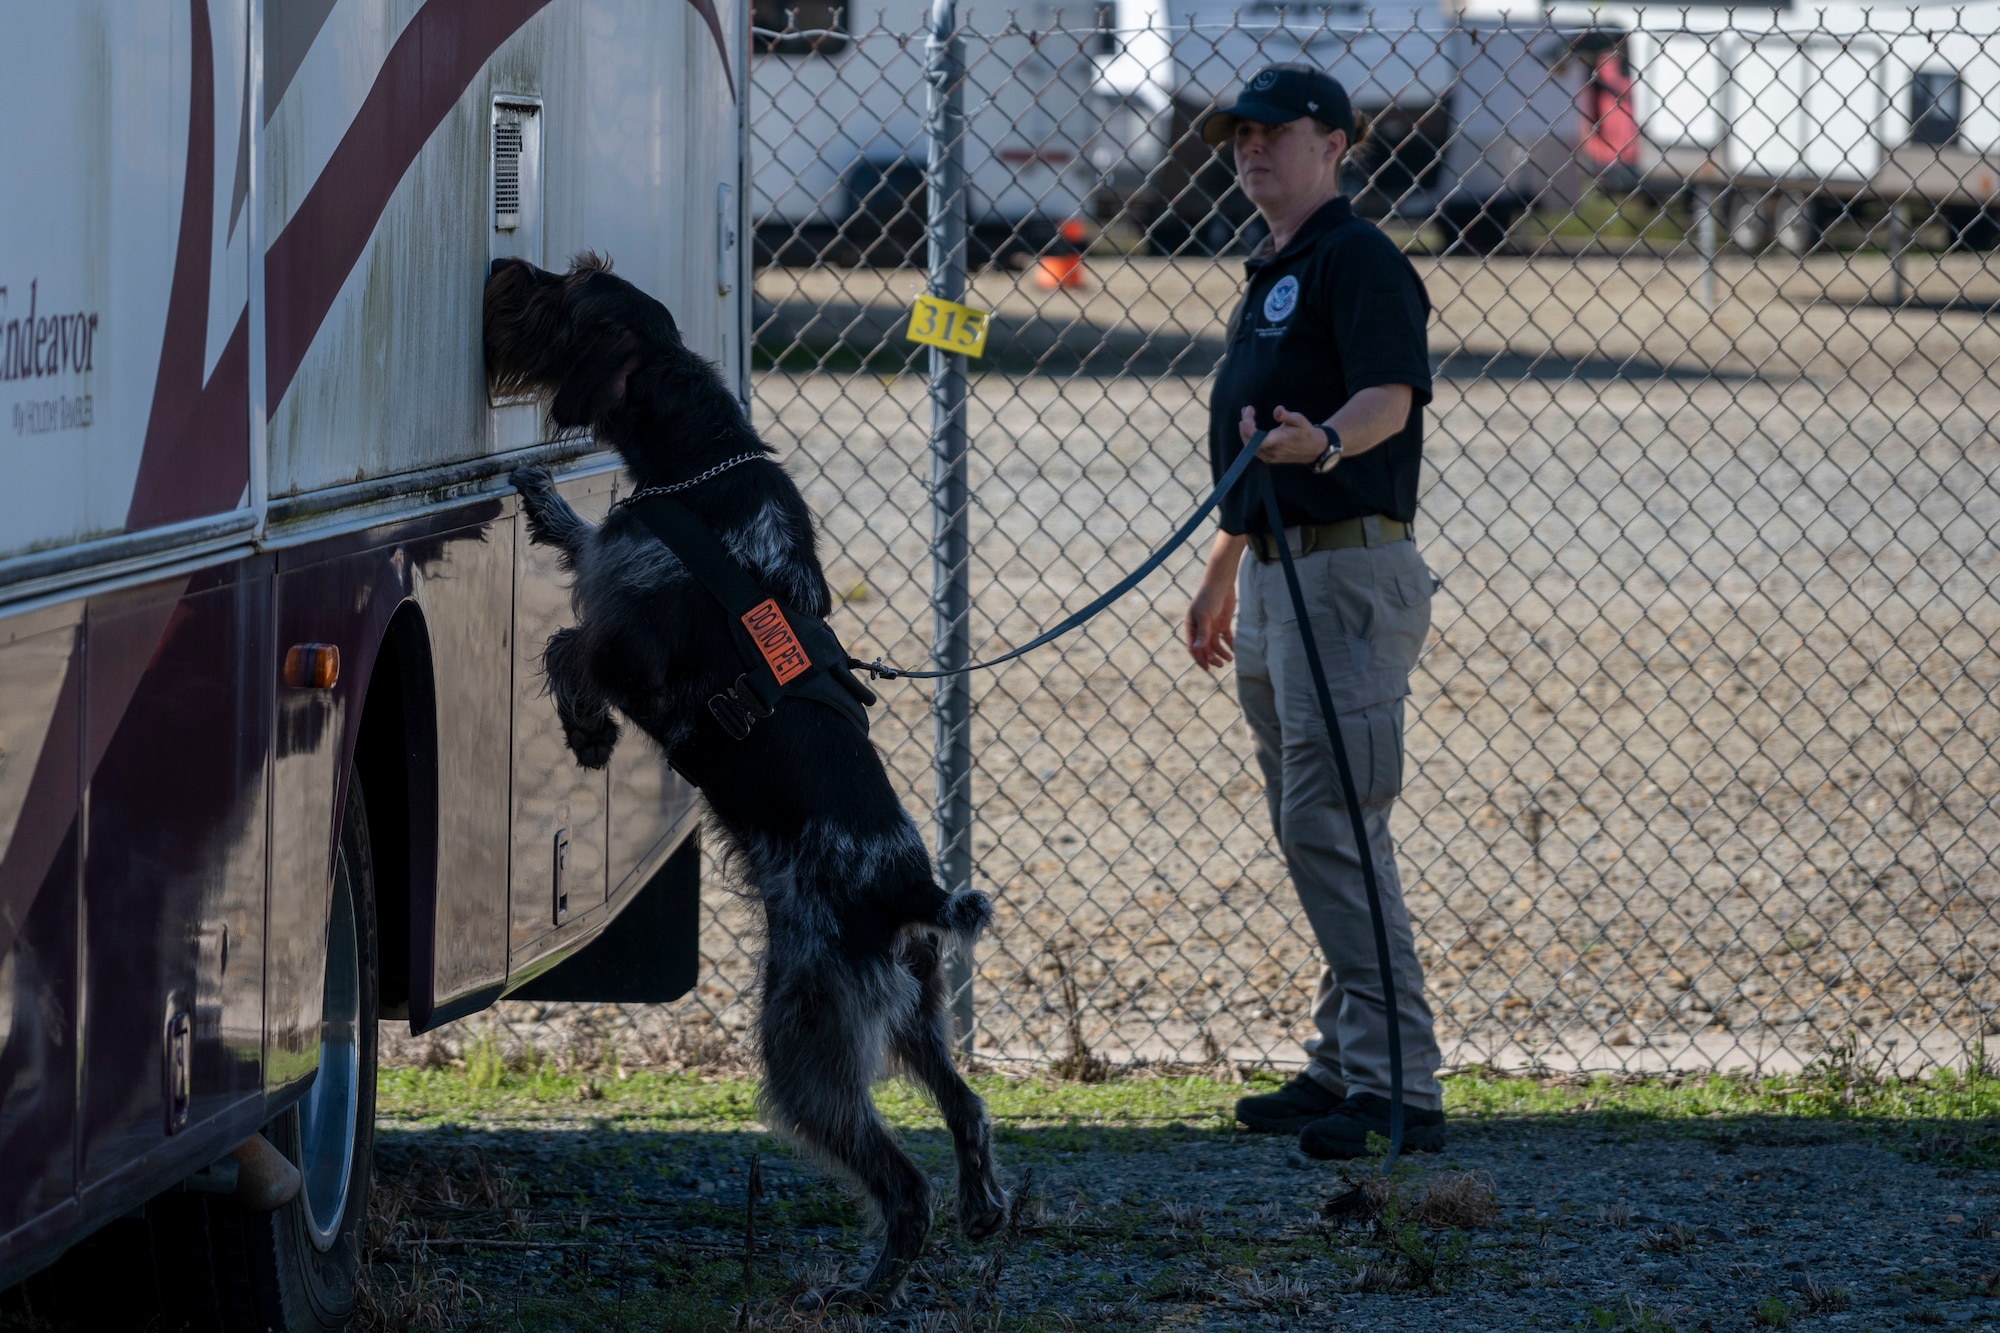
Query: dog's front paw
(592,743)
(532,479)
(539,501)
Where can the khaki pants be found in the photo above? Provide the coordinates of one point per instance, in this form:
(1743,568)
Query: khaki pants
(1370,609)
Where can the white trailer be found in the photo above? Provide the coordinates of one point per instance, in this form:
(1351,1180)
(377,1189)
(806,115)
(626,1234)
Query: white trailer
(1798,114)
(840,145)
(1477,121)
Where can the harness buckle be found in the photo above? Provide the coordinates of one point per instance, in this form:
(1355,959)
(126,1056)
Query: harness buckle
(738,709)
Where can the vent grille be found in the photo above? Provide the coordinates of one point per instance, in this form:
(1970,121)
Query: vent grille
(507,142)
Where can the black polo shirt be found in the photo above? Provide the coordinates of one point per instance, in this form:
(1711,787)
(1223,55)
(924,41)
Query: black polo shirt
(1338,310)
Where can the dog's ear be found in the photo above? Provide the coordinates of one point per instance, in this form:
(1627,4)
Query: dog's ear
(596,382)
(598,295)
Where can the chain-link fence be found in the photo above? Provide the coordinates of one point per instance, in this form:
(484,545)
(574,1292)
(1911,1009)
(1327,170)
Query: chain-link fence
(1701,766)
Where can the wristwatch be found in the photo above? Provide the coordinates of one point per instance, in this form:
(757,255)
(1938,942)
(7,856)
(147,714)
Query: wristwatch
(1331,455)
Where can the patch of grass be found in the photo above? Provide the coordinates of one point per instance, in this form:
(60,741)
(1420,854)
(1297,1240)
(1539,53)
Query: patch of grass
(1460,1199)
(1947,1117)
(485,1065)
(1817,1298)
(1674,1238)
(1599,217)
(1833,1088)
(1771,1313)
(1411,1260)
(419,1097)
(1630,1316)
(425,1296)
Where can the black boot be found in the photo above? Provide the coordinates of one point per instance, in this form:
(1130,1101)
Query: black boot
(1344,1134)
(1289,1109)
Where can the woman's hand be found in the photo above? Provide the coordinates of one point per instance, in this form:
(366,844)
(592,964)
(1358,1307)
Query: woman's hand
(1293,440)
(1211,625)
(1210,630)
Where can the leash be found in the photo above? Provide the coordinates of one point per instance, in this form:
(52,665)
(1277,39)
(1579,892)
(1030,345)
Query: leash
(881,671)
(1321,690)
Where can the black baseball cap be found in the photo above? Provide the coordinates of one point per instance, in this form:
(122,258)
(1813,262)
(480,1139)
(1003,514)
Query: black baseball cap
(1281,93)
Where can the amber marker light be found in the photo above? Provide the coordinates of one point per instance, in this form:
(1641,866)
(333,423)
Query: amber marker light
(312,666)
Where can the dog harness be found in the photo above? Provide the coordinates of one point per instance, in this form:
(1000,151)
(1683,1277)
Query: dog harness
(785,653)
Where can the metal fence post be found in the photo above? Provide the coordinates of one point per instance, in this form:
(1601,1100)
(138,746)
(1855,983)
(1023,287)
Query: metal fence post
(951,591)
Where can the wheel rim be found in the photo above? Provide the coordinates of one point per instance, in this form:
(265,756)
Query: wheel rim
(327,1128)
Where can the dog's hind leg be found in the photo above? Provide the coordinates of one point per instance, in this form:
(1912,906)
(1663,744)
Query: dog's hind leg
(920,1040)
(551,522)
(588,727)
(822,1030)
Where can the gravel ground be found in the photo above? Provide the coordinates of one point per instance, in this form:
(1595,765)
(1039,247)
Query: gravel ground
(1163,1216)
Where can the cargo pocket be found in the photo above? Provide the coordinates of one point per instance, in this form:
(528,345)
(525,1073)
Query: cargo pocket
(1406,619)
(1380,729)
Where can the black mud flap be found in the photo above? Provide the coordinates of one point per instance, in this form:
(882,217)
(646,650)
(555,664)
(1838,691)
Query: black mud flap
(648,954)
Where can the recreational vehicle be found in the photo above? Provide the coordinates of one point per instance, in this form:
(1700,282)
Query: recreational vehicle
(275,761)
(1476,121)
(1797,116)
(838,110)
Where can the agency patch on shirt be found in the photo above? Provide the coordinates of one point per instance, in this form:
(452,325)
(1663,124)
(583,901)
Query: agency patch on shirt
(1283,300)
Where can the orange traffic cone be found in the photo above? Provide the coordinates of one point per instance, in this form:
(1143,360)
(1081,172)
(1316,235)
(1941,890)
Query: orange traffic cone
(1064,268)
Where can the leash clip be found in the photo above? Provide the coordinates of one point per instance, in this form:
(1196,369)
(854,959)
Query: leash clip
(738,709)
(874,668)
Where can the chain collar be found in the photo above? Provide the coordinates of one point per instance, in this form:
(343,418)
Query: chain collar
(716,471)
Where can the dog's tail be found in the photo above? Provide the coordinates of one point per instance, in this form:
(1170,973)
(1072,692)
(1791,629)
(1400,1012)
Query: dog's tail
(965,914)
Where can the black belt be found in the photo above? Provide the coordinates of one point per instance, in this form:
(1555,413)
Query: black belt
(1343,535)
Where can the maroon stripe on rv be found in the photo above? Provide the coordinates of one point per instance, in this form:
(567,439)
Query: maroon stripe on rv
(429,68)
(432,63)
(196,458)
(706,8)
(203,464)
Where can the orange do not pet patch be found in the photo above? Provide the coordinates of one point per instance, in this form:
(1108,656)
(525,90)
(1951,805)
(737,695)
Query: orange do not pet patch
(774,638)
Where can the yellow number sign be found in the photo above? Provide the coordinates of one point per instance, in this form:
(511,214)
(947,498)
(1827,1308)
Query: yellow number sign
(947,324)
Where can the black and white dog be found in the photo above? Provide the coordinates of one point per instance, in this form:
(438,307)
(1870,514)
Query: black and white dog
(855,920)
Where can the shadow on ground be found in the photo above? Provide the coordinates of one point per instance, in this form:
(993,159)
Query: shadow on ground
(1954,306)
(1602,1221)
(849,336)
(846,336)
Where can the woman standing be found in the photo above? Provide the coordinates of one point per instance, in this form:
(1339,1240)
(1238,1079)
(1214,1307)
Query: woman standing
(1327,353)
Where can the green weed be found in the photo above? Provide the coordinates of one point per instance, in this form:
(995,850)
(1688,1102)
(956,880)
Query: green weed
(1771,1313)
(485,1065)
(1630,1316)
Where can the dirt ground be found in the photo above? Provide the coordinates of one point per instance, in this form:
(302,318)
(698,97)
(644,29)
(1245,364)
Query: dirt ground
(1142,1207)
(1700,765)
